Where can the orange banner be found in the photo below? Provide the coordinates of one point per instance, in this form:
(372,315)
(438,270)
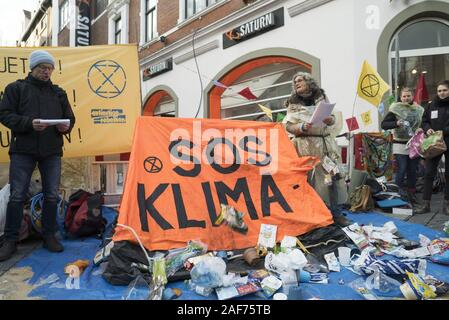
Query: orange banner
(182,170)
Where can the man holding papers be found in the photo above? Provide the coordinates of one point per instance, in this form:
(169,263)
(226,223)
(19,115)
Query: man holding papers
(309,122)
(27,109)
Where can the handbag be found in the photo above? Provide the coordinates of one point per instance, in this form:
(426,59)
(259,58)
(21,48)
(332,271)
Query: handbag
(361,200)
(433,145)
(414,145)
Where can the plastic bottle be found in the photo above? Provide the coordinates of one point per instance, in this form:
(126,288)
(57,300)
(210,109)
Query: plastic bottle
(201,290)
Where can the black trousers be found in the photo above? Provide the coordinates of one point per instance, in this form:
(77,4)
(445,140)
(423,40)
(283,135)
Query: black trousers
(431,172)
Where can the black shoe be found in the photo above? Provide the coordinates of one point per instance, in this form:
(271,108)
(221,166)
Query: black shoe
(7,250)
(341,221)
(424,208)
(52,244)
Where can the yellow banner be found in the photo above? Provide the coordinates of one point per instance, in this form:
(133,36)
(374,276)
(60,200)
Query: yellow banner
(103,87)
(366,118)
(371,86)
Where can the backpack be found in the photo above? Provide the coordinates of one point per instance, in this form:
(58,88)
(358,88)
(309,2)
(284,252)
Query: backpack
(84,216)
(360,199)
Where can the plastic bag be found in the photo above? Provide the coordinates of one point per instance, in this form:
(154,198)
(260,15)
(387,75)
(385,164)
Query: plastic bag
(383,284)
(138,289)
(433,145)
(4,198)
(414,145)
(175,259)
(209,273)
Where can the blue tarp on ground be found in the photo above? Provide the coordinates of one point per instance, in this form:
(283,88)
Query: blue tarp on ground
(48,269)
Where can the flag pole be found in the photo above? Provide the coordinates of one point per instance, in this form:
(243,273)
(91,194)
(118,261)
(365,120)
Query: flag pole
(350,140)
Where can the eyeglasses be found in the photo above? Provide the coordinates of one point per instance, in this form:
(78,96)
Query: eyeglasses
(44,68)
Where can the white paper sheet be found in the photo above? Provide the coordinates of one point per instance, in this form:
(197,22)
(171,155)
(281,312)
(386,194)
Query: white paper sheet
(55,121)
(322,111)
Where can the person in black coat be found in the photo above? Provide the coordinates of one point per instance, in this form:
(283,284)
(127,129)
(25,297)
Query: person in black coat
(436,117)
(24,105)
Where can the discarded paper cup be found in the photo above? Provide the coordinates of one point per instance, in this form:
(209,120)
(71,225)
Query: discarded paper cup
(280,296)
(344,256)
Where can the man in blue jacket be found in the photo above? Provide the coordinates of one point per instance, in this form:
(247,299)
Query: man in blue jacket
(25,103)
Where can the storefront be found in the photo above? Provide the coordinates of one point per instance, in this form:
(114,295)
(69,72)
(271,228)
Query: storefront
(263,47)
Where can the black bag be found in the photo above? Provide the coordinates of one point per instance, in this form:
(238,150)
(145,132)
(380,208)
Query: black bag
(83,216)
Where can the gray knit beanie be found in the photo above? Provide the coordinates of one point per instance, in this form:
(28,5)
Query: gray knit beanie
(40,56)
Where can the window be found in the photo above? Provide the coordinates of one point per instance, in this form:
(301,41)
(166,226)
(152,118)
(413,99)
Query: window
(63,14)
(272,84)
(420,49)
(192,7)
(165,108)
(118,30)
(100,6)
(150,20)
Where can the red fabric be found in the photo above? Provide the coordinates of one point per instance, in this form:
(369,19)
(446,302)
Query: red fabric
(352,124)
(247,94)
(421,93)
(358,152)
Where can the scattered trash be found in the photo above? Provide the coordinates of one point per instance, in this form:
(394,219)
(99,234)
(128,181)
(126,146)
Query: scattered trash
(233,219)
(344,256)
(209,273)
(355,233)
(368,264)
(232,278)
(138,289)
(270,285)
(103,254)
(191,262)
(332,262)
(381,282)
(238,290)
(288,243)
(47,280)
(251,256)
(80,265)
(280,296)
(322,278)
(446,227)
(258,275)
(289,277)
(341,281)
(440,253)
(171,293)
(267,236)
(359,285)
(416,288)
(175,259)
(201,290)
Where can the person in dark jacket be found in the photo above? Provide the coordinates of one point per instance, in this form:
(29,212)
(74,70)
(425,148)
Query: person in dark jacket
(404,119)
(436,117)
(24,105)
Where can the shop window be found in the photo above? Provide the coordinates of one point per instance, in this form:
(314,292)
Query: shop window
(160,104)
(270,83)
(420,48)
(165,107)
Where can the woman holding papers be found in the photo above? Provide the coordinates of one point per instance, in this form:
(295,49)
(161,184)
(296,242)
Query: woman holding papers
(404,118)
(316,139)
